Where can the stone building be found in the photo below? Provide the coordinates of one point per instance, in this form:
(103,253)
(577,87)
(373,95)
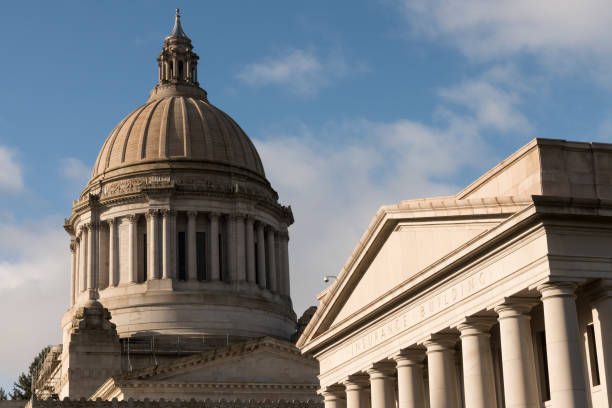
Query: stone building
(180,264)
(499,296)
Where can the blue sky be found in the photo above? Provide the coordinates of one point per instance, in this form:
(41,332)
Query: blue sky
(352,105)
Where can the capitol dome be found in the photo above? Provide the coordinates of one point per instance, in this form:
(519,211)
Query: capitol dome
(177,125)
(178,232)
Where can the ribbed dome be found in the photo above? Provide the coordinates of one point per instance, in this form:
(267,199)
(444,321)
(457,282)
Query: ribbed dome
(177,127)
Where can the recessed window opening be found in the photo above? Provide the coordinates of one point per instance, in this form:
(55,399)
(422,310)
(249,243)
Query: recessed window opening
(543,362)
(595,380)
(182,258)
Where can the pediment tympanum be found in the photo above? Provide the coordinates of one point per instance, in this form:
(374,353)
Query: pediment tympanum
(410,248)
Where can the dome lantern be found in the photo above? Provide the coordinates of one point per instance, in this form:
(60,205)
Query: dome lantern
(177,62)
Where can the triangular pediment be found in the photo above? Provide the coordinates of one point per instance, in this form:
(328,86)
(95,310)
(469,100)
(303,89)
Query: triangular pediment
(409,249)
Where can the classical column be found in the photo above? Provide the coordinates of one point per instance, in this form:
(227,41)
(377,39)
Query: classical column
(73,270)
(240,250)
(382,387)
(92,265)
(601,295)
(518,362)
(113,271)
(271,258)
(284,266)
(333,397)
(356,387)
(215,274)
(478,375)
(77,272)
(443,391)
(192,266)
(152,240)
(83,259)
(261,256)
(230,249)
(563,345)
(410,386)
(250,250)
(168,243)
(133,248)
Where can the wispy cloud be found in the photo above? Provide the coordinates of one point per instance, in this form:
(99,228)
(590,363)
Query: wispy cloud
(34,280)
(304,72)
(562,34)
(336,180)
(74,170)
(11,174)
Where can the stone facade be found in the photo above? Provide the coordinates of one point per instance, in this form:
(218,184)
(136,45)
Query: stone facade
(179,250)
(496,297)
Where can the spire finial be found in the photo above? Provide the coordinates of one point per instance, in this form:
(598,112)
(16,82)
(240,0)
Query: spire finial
(177,31)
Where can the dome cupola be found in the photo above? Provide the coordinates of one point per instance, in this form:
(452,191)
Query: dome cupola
(178,232)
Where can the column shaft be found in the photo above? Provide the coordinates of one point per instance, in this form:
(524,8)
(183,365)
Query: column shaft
(410,386)
(83,260)
(168,240)
(113,271)
(382,387)
(443,391)
(77,277)
(563,346)
(478,375)
(356,391)
(271,258)
(152,244)
(230,249)
(602,322)
(240,251)
(133,248)
(261,256)
(91,256)
(214,247)
(192,271)
(284,249)
(73,270)
(333,399)
(520,381)
(250,250)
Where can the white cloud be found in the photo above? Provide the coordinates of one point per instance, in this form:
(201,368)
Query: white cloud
(11,177)
(302,71)
(337,180)
(74,170)
(565,34)
(34,289)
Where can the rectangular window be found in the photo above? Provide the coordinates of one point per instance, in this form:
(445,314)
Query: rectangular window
(543,360)
(593,354)
(144,260)
(201,255)
(182,258)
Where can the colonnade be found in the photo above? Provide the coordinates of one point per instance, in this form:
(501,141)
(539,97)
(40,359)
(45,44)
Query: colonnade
(399,379)
(252,251)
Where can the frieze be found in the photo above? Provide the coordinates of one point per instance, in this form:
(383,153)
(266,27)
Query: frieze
(417,313)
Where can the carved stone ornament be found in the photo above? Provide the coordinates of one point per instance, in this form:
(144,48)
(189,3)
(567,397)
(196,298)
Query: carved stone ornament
(92,316)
